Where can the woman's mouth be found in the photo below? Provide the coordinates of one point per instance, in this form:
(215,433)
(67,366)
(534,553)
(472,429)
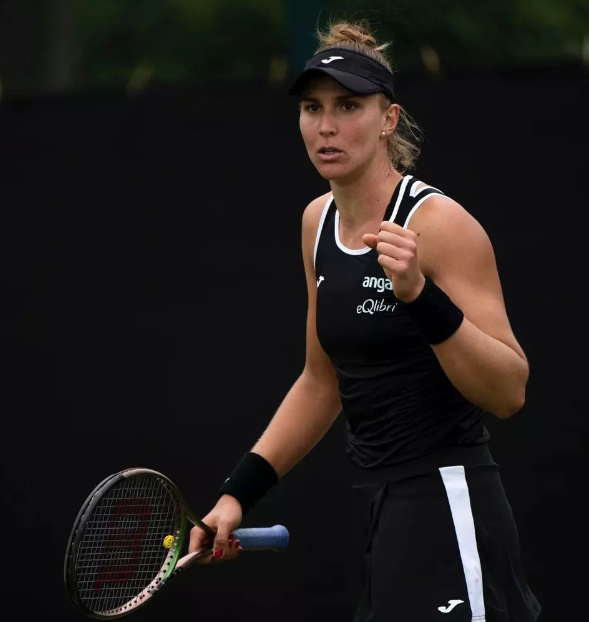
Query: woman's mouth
(329,154)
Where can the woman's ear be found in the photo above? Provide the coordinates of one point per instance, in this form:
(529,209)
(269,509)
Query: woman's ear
(391,118)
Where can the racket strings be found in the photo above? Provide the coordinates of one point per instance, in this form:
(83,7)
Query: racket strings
(121,550)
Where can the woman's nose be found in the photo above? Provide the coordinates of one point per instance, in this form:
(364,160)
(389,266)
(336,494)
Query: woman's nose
(328,127)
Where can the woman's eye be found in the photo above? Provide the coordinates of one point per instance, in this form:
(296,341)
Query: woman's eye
(349,106)
(311,107)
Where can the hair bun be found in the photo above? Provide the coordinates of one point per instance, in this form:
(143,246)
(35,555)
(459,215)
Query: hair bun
(351,33)
(353,36)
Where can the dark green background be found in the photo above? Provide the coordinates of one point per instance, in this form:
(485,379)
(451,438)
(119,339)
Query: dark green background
(56,44)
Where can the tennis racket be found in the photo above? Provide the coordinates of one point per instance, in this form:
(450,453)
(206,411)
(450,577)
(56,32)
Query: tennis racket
(127,540)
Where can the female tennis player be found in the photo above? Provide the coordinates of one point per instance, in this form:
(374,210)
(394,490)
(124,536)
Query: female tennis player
(407,335)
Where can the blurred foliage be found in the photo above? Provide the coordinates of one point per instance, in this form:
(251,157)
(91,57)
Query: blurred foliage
(176,40)
(464,32)
(185,40)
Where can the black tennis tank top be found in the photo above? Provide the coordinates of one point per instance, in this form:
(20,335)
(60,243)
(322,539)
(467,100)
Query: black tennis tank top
(397,400)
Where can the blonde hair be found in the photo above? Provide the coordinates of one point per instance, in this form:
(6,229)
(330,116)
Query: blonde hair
(403,143)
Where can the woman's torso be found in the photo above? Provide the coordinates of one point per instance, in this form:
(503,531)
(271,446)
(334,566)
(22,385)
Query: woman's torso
(398,402)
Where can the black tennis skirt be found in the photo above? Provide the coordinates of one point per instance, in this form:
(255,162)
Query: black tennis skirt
(441,543)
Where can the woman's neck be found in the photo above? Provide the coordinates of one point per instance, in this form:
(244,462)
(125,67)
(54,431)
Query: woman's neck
(364,199)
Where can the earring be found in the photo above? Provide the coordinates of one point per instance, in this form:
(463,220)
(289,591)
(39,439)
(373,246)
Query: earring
(383,133)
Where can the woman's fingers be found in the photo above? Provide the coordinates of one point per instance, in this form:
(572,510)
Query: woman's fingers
(393,234)
(393,251)
(370,240)
(221,546)
(222,550)
(198,540)
(229,553)
(391,227)
(395,267)
(223,519)
(397,240)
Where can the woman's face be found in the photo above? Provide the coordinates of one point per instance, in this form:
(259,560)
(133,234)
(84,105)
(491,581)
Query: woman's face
(341,130)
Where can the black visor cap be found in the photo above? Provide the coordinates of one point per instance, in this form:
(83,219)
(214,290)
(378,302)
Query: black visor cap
(354,71)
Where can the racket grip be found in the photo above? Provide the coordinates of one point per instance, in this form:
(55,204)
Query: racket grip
(263,538)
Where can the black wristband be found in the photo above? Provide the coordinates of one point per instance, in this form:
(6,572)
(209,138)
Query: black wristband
(250,481)
(436,316)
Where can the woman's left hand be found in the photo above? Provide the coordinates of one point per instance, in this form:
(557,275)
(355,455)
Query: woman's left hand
(397,254)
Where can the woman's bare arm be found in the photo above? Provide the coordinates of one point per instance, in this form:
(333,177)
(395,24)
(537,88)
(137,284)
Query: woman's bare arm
(312,404)
(482,358)
(305,415)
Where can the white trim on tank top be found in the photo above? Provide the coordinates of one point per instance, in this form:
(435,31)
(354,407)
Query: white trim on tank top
(362,251)
(413,192)
(418,204)
(400,197)
(320,227)
(348,251)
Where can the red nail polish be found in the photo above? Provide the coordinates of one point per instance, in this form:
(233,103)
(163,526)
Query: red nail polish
(218,553)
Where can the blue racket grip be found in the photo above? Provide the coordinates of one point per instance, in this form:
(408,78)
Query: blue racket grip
(263,538)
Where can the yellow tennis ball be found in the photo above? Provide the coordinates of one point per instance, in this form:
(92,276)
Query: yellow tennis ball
(168,541)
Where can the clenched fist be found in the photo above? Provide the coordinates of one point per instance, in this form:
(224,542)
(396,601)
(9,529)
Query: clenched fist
(397,254)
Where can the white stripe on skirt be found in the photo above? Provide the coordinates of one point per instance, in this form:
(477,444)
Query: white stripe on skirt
(454,479)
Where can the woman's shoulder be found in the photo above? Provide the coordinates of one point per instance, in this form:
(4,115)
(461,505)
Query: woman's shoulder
(314,211)
(441,212)
(436,208)
(446,228)
(311,219)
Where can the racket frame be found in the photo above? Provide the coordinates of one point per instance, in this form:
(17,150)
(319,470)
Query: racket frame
(167,570)
(173,563)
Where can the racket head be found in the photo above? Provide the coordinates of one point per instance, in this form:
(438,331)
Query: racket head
(116,558)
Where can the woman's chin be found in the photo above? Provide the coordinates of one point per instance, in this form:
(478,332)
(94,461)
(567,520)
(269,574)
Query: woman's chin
(332,172)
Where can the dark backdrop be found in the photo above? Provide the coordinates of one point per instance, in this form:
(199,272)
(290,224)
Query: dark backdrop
(154,309)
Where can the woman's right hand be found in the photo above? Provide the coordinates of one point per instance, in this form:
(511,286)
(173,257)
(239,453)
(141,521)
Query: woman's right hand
(223,518)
